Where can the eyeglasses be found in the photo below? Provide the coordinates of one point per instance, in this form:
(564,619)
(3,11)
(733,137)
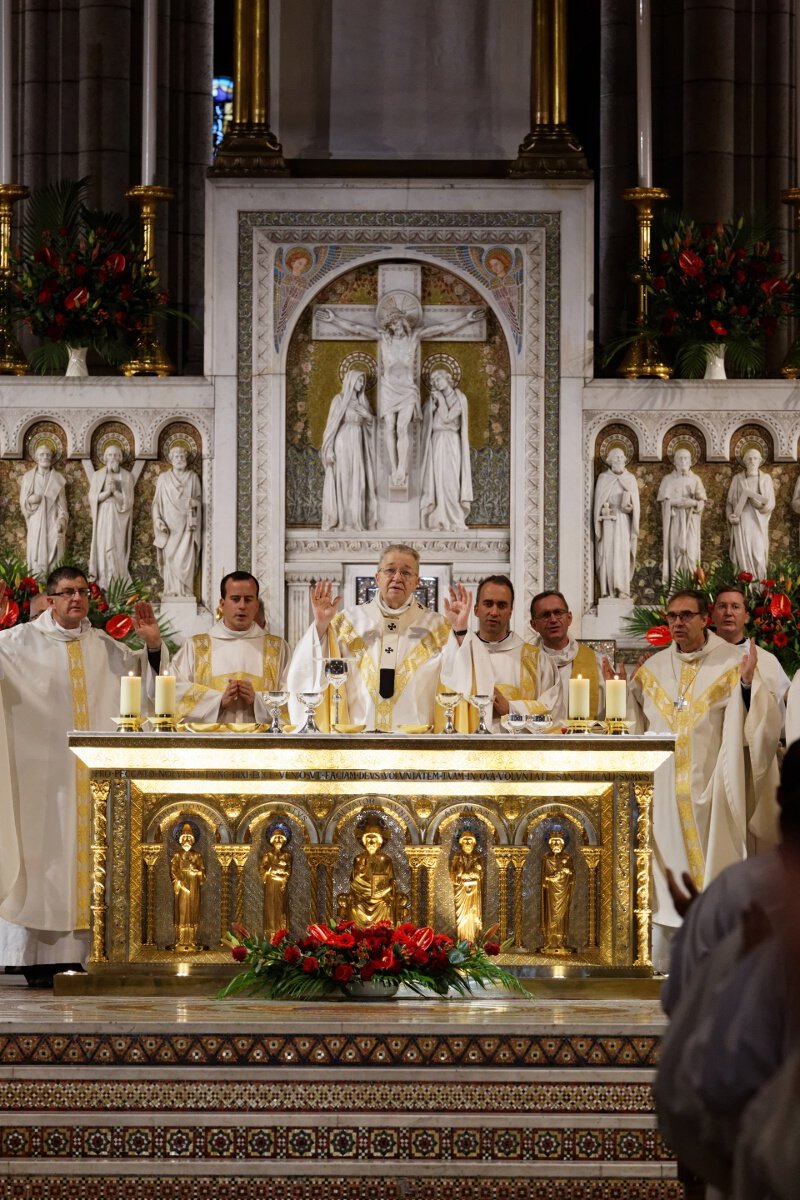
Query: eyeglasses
(684,615)
(558,613)
(403,572)
(73,592)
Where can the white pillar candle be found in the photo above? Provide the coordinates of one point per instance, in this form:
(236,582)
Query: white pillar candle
(130,696)
(579,699)
(5,91)
(149,91)
(616,699)
(644,99)
(165,695)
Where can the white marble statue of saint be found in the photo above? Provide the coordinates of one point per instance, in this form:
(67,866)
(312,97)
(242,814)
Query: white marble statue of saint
(177,522)
(446,483)
(43,500)
(751,499)
(616,525)
(399,341)
(348,456)
(682,498)
(111,505)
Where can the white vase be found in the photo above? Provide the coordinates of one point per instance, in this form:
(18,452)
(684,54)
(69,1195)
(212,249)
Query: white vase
(76,365)
(378,988)
(715,361)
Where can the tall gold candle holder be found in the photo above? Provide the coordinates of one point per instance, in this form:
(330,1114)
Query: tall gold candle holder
(12,360)
(642,360)
(791,364)
(149,357)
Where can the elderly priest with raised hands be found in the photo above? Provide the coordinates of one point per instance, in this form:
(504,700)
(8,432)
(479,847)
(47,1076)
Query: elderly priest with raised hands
(711,696)
(221,674)
(495,662)
(396,650)
(58,673)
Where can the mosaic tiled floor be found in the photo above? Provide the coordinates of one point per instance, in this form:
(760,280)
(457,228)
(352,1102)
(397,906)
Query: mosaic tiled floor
(195,1099)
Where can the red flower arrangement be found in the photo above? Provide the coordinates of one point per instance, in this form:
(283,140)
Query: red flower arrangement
(710,285)
(330,958)
(81,278)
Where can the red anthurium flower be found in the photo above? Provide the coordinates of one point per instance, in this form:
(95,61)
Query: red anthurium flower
(11,615)
(119,626)
(77,298)
(690,263)
(116,263)
(780,606)
(718,328)
(658,635)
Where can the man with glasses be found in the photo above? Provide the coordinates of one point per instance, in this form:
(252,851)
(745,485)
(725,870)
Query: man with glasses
(495,662)
(395,648)
(710,695)
(221,674)
(58,673)
(550,621)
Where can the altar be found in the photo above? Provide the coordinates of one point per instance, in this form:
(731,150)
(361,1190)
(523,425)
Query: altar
(170,806)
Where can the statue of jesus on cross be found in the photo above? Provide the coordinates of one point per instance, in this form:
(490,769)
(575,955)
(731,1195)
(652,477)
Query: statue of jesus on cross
(397,325)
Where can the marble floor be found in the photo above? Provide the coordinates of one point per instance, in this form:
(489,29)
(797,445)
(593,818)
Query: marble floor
(192,1098)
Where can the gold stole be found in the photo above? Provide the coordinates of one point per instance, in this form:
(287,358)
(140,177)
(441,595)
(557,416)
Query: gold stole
(205,682)
(83,798)
(466,718)
(342,636)
(682,721)
(584,663)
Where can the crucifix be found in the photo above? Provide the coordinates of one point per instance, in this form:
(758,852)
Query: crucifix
(398,324)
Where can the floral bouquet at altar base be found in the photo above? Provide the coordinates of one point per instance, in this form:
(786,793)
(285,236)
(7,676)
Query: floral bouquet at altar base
(330,959)
(774,604)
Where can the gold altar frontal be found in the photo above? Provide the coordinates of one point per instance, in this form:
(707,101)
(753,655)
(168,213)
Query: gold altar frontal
(560,830)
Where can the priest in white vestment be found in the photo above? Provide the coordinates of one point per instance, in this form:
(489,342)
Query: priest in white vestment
(713,698)
(550,622)
(58,673)
(396,650)
(495,662)
(221,674)
(729,616)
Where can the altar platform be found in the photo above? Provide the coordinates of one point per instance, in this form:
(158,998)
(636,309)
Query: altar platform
(499,1098)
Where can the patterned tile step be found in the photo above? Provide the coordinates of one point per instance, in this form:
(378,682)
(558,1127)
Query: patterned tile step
(90,1094)
(377,1187)
(451,1143)
(380,1050)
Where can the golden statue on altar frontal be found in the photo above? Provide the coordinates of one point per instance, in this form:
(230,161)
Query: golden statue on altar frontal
(188,874)
(466,875)
(373,894)
(275,869)
(558,882)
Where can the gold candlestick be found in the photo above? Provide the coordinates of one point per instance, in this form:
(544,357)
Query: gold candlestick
(791,364)
(12,360)
(642,358)
(149,357)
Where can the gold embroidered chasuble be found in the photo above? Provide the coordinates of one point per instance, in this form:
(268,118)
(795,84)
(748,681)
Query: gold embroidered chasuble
(51,683)
(724,754)
(577,659)
(206,662)
(518,669)
(425,647)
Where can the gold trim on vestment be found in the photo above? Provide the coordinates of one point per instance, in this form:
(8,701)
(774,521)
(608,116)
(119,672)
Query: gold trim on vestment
(83,797)
(425,648)
(682,721)
(204,682)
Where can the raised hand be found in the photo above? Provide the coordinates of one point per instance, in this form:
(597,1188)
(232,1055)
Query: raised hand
(324,604)
(681,899)
(457,606)
(146,624)
(748,668)
(611,672)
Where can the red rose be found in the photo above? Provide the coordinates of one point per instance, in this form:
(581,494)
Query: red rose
(744,577)
(690,263)
(118,626)
(780,639)
(342,972)
(659,283)
(367,971)
(78,298)
(278,937)
(439,960)
(768,583)
(239,953)
(44,297)
(492,948)
(419,958)
(291,955)
(310,964)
